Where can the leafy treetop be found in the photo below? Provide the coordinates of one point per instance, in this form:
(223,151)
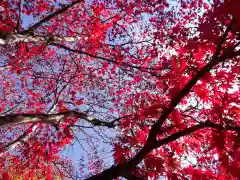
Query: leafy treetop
(157,82)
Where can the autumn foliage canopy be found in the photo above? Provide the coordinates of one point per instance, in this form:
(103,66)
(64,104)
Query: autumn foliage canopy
(138,89)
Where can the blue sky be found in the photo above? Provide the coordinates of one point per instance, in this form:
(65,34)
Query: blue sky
(75,152)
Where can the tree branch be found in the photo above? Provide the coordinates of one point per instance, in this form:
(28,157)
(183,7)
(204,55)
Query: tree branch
(82,52)
(15,119)
(51,16)
(103,58)
(19,15)
(120,169)
(176,100)
(14,38)
(24,137)
(192,129)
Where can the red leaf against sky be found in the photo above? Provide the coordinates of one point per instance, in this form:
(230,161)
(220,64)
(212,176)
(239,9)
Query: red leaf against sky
(150,86)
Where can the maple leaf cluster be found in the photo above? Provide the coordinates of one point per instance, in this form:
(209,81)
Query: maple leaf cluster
(150,86)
